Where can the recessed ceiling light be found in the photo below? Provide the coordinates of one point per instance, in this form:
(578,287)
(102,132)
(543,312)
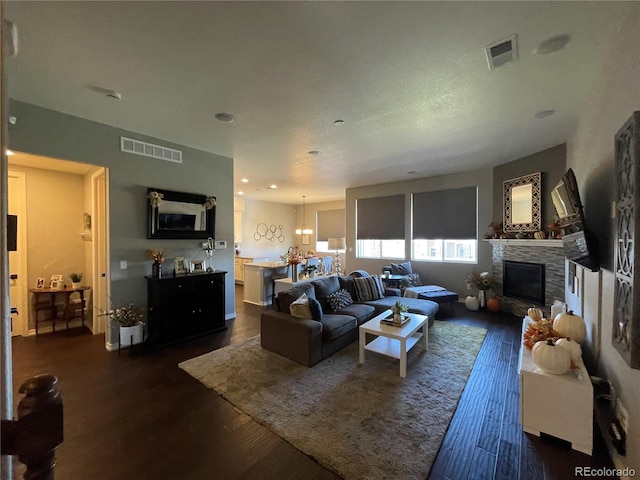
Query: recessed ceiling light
(9,153)
(339,122)
(313,152)
(245,180)
(225,117)
(552,44)
(240,192)
(544,113)
(273,186)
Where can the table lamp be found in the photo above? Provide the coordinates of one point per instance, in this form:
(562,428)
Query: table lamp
(337,244)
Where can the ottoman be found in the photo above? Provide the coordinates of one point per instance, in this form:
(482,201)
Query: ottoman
(440,297)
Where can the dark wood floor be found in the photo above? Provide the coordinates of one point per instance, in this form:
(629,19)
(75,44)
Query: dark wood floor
(141,417)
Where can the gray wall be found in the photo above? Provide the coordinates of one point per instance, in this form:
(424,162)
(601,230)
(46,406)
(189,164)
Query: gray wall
(449,275)
(551,163)
(590,152)
(53,134)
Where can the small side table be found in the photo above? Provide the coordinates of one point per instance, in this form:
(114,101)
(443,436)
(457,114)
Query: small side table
(45,301)
(392,281)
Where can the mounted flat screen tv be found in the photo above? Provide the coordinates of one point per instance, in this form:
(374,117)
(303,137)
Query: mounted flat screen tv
(580,245)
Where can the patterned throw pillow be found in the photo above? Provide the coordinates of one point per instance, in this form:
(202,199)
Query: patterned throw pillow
(300,307)
(401,268)
(340,299)
(368,288)
(411,280)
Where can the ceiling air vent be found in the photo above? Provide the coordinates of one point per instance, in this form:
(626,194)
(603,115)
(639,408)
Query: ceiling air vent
(137,147)
(502,51)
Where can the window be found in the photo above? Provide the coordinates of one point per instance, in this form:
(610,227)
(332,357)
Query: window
(380,227)
(380,249)
(330,224)
(445,226)
(445,250)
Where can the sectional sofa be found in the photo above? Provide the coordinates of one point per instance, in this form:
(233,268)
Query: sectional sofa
(328,325)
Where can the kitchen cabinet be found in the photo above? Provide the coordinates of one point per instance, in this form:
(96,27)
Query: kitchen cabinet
(239,266)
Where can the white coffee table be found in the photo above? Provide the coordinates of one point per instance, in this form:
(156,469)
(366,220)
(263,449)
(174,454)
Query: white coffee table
(393,341)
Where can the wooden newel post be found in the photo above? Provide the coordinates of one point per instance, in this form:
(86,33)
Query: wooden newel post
(39,428)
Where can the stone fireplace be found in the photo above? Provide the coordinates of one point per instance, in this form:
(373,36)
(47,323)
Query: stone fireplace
(536,268)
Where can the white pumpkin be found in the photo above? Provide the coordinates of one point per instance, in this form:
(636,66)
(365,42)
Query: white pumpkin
(570,325)
(574,349)
(551,359)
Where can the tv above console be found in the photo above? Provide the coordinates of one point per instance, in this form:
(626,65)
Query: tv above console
(580,245)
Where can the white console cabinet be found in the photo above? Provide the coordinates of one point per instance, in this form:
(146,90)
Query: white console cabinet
(558,405)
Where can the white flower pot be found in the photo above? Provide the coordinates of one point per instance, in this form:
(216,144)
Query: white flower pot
(472,303)
(131,335)
(76,284)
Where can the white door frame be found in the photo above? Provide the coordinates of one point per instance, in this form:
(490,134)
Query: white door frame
(100,249)
(20,323)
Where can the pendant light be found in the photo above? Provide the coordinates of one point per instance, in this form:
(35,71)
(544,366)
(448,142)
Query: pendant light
(304,230)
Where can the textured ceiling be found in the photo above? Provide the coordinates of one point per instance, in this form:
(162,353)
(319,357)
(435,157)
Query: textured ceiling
(410,80)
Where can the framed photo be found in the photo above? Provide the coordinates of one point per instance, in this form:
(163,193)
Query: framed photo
(180,265)
(305,239)
(57,285)
(39,282)
(197,266)
(56,278)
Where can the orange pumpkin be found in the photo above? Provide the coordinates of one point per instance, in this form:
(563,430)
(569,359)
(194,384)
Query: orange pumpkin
(493,305)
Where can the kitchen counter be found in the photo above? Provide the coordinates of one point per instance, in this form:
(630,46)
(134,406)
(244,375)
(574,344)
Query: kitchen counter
(258,281)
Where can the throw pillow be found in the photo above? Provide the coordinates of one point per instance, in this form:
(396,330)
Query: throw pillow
(368,288)
(401,268)
(411,280)
(316,309)
(300,307)
(339,299)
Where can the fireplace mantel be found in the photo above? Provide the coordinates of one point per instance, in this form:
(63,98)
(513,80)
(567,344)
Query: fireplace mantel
(530,242)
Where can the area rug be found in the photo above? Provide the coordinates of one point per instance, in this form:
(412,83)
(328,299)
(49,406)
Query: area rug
(360,421)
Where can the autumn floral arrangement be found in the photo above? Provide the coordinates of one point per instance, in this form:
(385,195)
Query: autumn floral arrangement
(290,258)
(155,198)
(209,203)
(157,254)
(481,281)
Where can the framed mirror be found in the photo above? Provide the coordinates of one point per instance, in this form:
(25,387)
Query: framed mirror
(180,215)
(522,204)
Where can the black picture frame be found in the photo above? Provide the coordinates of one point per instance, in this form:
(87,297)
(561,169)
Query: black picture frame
(170,225)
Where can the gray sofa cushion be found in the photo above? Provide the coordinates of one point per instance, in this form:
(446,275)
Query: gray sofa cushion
(323,288)
(334,325)
(368,288)
(422,307)
(401,268)
(360,311)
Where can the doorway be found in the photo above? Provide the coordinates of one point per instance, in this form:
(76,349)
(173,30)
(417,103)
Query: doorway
(67,230)
(18,288)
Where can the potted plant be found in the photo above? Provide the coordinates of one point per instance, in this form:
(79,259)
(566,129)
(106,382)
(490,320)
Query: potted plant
(131,319)
(398,309)
(76,278)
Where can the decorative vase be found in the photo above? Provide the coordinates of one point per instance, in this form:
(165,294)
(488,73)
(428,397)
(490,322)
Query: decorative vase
(131,335)
(156,270)
(294,272)
(482,299)
(472,303)
(397,318)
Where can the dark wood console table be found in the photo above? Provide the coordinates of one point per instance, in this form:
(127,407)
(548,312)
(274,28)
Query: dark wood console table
(185,306)
(45,301)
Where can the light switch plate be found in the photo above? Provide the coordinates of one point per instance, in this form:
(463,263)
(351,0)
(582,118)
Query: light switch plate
(221,244)
(123,264)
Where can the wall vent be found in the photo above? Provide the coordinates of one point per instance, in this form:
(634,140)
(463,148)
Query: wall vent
(502,51)
(137,147)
